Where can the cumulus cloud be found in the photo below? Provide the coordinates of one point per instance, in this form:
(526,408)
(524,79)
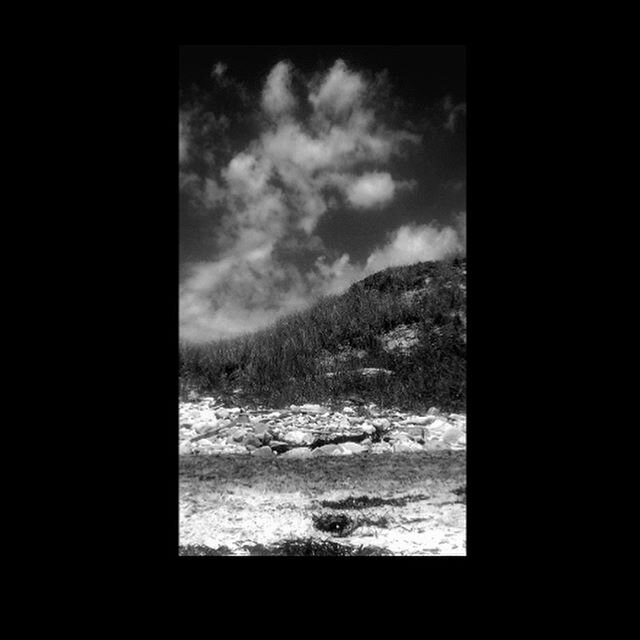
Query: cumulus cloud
(339,90)
(276,189)
(219,69)
(277,98)
(370,190)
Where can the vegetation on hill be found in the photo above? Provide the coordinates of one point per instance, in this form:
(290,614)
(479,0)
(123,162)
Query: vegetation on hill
(327,353)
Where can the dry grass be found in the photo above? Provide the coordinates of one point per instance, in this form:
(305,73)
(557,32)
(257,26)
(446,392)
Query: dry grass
(289,362)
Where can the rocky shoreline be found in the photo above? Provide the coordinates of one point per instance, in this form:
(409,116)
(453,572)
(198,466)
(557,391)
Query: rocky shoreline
(207,427)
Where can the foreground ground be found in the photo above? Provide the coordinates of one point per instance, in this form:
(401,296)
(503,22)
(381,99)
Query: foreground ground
(401,504)
(317,480)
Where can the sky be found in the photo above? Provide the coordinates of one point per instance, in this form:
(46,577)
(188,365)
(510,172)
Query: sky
(304,169)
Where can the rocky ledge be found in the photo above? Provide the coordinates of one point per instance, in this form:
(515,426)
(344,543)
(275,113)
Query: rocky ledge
(207,427)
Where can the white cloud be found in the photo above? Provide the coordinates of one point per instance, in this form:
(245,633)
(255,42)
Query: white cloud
(415,243)
(370,190)
(339,90)
(277,98)
(407,245)
(218,69)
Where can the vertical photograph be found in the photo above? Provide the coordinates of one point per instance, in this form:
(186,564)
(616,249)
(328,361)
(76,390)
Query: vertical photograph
(322,300)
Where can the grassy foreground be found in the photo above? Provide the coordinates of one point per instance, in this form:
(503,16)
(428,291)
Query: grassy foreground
(318,355)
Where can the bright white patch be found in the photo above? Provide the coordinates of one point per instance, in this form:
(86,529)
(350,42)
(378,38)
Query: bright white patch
(340,90)
(276,96)
(370,190)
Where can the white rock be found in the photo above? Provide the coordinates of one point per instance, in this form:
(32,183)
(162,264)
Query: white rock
(452,435)
(419,420)
(439,425)
(353,447)
(312,408)
(381,447)
(185,448)
(368,428)
(404,446)
(299,437)
(203,427)
(297,453)
(349,411)
(263,452)
(381,423)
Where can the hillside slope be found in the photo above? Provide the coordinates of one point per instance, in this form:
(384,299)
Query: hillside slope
(396,338)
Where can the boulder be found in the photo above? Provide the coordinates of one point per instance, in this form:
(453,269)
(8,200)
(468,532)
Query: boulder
(420,420)
(263,452)
(297,453)
(452,435)
(353,447)
(203,427)
(326,450)
(299,438)
(381,447)
(278,446)
(439,425)
(368,428)
(412,431)
(406,446)
(185,449)
(310,408)
(252,441)
(381,424)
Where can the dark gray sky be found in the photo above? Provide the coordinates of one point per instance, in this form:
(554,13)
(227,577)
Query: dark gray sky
(304,169)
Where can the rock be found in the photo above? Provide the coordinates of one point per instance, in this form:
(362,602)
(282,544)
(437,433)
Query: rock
(433,411)
(326,450)
(414,432)
(185,449)
(452,435)
(263,452)
(311,408)
(260,427)
(434,445)
(243,419)
(252,441)
(205,443)
(237,434)
(355,419)
(297,453)
(419,420)
(439,425)
(353,447)
(349,411)
(381,424)
(222,413)
(406,446)
(300,438)
(203,427)
(368,428)
(278,446)
(381,447)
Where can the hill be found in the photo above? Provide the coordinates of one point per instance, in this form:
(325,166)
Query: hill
(396,338)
